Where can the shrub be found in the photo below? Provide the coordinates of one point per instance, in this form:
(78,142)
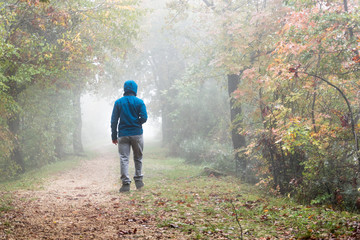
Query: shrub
(212,153)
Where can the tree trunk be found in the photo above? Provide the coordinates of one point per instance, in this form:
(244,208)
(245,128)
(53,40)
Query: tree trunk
(237,139)
(165,128)
(59,141)
(16,155)
(77,140)
(351,114)
(166,66)
(345,5)
(14,127)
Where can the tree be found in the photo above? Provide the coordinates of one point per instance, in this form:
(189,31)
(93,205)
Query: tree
(295,81)
(238,38)
(56,47)
(312,73)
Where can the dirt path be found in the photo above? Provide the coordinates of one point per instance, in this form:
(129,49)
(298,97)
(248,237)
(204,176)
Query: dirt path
(82,203)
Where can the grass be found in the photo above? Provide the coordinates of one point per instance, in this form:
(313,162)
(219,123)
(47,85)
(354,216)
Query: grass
(179,198)
(34,179)
(5,202)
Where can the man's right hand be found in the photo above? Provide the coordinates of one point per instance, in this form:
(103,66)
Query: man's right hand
(115,142)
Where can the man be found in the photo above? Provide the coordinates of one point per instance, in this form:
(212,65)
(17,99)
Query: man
(128,133)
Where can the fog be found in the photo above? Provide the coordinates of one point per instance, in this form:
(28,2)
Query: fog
(186,106)
(96,114)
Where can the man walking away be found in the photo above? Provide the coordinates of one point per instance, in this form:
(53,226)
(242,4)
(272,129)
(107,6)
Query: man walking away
(128,133)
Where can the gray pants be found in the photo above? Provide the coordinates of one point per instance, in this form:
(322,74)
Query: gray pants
(137,145)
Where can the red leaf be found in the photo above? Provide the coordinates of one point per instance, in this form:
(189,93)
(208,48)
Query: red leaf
(356,59)
(344,120)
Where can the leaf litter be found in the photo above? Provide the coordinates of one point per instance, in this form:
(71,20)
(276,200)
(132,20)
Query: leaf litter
(83,203)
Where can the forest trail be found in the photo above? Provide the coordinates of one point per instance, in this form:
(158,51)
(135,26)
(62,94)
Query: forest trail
(178,202)
(82,203)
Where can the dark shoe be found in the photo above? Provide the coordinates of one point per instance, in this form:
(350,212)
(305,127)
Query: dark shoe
(125,188)
(139,184)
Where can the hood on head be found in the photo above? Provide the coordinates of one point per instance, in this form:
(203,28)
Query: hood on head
(130,86)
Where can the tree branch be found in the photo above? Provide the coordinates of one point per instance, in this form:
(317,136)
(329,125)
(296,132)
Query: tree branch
(237,220)
(211,5)
(349,108)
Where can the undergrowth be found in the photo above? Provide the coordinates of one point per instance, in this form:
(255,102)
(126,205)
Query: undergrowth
(178,198)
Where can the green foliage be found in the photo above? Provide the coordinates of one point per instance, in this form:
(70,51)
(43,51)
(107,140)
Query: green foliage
(8,168)
(48,50)
(195,123)
(46,125)
(200,150)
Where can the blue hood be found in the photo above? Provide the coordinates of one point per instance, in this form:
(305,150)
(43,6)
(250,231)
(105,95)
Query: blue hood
(130,86)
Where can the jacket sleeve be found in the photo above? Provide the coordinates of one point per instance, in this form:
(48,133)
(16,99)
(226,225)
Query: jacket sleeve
(143,114)
(114,121)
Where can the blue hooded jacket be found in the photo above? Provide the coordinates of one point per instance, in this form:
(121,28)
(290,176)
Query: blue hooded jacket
(130,110)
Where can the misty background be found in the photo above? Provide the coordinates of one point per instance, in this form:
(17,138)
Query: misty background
(96,114)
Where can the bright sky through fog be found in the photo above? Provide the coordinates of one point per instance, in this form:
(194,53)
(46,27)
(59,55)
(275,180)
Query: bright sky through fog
(96,114)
